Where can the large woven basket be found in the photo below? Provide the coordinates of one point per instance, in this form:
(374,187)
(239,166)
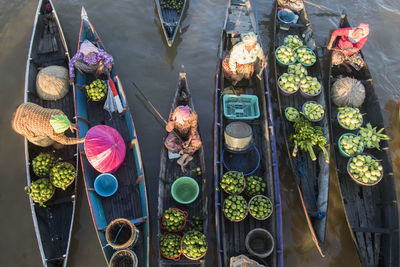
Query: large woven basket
(52,83)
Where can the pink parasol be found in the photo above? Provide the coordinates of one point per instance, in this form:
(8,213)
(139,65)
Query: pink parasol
(104,148)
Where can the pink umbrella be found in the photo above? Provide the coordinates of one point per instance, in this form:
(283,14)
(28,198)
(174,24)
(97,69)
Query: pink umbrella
(104,148)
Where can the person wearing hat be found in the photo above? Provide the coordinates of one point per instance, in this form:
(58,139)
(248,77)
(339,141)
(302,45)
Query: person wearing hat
(90,59)
(43,126)
(183,121)
(240,62)
(350,43)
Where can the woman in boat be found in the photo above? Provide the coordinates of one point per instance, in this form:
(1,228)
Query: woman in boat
(43,126)
(183,121)
(90,59)
(350,43)
(240,62)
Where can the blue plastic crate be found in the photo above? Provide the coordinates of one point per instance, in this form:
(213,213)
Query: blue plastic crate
(243,107)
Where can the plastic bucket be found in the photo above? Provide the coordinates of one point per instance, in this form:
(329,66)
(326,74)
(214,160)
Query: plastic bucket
(266,217)
(247,162)
(302,63)
(307,95)
(106,184)
(122,258)
(302,109)
(259,242)
(282,63)
(285,15)
(185,190)
(121,233)
(184,213)
(283,91)
(357,181)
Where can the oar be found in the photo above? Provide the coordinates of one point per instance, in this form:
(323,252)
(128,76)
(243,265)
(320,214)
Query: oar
(155,110)
(322,7)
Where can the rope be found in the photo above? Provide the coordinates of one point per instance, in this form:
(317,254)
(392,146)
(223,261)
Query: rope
(300,167)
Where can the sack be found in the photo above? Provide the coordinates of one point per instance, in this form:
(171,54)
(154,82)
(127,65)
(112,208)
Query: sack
(295,5)
(348,92)
(52,83)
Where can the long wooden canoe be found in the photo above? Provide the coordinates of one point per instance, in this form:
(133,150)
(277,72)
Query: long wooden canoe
(170,20)
(371,211)
(240,19)
(130,200)
(311,177)
(53,223)
(170,170)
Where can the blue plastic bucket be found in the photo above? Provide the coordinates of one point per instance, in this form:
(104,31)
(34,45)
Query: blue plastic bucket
(286,15)
(106,184)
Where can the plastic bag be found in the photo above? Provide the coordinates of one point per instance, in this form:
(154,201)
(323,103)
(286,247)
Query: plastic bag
(243,261)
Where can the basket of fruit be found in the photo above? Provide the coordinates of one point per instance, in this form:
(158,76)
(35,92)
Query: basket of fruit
(235,208)
(233,182)
(310,87)
(254,185)
(349,118)
(173,220)
(297,70)
(365,169)
(260,207)
(285,55)
(62,175)
(371,137)
(194,245)
(350,145)
(313,111)
(291,114)
(97,90)
(306,56)
(288,84)
(42,164)
(40,191)
(170,246)
(293,41)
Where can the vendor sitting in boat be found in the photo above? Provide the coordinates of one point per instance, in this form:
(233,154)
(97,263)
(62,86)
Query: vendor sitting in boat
(43,126)
(240,62)
(90,59)
(348,46)
(183,121)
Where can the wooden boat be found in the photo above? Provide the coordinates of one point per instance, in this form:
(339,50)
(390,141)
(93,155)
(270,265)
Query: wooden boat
(170,20)
(53,223)
(130,200)
(170,170)
(240,19)
(311,177)
(371,211)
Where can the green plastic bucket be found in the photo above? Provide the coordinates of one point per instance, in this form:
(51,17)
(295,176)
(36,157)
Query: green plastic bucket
(185,190)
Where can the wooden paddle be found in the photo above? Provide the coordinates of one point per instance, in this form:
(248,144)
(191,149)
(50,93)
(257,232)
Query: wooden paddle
(322,7)
(156,111)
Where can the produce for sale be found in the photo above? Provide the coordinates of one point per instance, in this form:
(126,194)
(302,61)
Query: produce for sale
(306,56)
(42,164)
(194,245)
(232,182)
(365,169)
(297,70)
(173,220)
(97,90)
(313,111)
(40,191)
(254,185)
(196,224)
(172,4)
(170,246)
(235,208)
(293,41)
(351,145)
(371,137)
(306,136)
(286,55)
(289,82)
(291,114)
(260,207)
(310,85)
(349,118)
(62,175)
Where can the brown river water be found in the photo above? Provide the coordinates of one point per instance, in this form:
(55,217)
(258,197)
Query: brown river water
(131,33)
